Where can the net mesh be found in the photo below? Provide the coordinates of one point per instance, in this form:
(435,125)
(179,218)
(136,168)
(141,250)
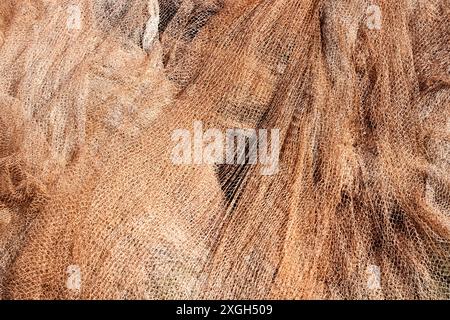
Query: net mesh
(93,207)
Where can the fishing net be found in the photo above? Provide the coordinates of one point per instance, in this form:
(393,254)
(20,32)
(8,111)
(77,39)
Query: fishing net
(95,93)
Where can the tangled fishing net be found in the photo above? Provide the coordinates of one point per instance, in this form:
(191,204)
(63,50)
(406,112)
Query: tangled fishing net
(92,205)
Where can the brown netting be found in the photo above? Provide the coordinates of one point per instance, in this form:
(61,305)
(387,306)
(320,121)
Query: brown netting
(93,207)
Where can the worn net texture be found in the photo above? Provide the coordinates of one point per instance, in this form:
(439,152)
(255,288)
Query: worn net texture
(93,207)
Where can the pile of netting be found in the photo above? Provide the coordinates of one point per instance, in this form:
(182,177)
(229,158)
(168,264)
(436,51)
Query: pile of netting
(93,206)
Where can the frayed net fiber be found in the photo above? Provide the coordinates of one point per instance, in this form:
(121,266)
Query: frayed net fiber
(93,206)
